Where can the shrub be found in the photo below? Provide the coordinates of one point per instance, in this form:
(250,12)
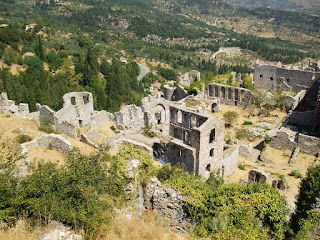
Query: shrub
(296,174)
(23,138)
(242,134)
(230,117)
(241,167)
(267,138)
(46,123)
(148,132)
(247,123)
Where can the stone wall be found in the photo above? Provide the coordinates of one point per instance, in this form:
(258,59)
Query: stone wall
(230,162)
(290,140)
(169,203)
(99,118)
(54,141)
(9,106)
(288,78)
(77,108)
(306,118)
(67,128)
(228,94)
(189,78)
(292,102)
(130,117)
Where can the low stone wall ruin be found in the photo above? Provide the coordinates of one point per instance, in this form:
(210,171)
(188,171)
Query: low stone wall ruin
(290,140)
(169,203)
(54,141)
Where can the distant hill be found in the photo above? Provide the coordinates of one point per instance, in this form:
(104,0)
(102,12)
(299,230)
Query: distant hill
(311,5)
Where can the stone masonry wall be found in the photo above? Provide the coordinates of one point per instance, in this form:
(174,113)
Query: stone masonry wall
(302,118)
(54,141)
(286,139)
(228,94)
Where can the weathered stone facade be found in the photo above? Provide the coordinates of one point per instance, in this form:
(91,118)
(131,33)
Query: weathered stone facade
(189,78)
(169,203)
(287,139)
(9,106)
(229,95)
(77,112)
(274,76)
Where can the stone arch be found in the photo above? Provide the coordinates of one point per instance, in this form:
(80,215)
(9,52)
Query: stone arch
(160,114)
(216,90)
(223,92)
(214,107)
(236,95)
(229,93)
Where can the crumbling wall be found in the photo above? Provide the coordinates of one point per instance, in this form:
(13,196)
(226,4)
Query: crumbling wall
(9,106)
(67,128)
(258,176)
(77,108)
(292,102)
(169,203)
(99,118)
(54,141)
(130,117)
(189,78)
(302,118)
(229,95)
(286,139)
(230,162)
(288,78)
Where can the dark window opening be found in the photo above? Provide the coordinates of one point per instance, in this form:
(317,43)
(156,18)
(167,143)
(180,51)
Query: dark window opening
(212,135)
(271,78)
(261,76)
(288,80)
(212,152)
(208,167)
(85,99)
(73,101)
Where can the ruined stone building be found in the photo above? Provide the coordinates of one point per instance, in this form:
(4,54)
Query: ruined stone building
(9,106)
(189,78)
(190,136)
(274,76)
(228,95)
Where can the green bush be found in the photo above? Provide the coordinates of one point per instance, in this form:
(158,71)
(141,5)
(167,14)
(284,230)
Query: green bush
(242,134)
(148,132)
(46,123)
(247,123)
(296,174)
(23,138)
(241,167)
(230,117)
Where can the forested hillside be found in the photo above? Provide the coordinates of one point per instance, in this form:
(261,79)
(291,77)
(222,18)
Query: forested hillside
(78,44)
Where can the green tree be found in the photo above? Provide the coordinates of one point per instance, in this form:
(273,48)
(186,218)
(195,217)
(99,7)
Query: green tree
(230,117)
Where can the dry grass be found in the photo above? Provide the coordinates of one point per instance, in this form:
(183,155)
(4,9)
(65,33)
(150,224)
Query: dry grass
(21,231)
(146,227)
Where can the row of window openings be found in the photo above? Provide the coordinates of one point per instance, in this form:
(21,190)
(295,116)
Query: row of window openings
(192,123)
(271,78)
(85,100)
(179,154)
(186,135)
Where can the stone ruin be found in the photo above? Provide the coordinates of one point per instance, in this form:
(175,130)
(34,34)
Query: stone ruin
(54,141)
(77,112)
(228,95)
(275,76)
(190,136)
(9,106)
(189,78)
